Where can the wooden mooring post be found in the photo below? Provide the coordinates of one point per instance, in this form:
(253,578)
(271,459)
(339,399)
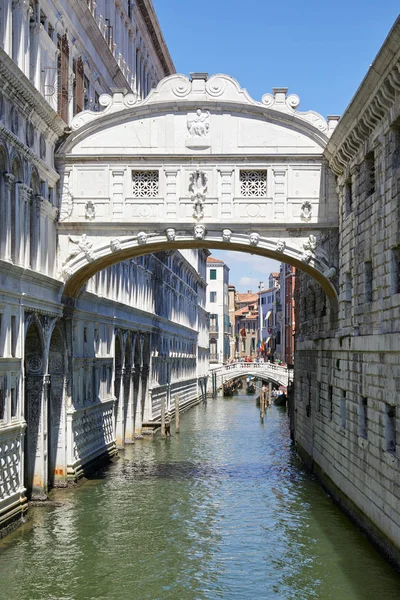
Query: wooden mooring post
(163,434)
(177,416)
(269,393)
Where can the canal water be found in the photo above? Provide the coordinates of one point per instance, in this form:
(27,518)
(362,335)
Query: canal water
(221,510)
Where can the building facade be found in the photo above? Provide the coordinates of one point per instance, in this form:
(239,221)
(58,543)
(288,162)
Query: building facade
(347,377)
(218,308)
(78,381)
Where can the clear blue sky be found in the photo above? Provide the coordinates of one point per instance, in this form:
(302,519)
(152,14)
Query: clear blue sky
(320,50)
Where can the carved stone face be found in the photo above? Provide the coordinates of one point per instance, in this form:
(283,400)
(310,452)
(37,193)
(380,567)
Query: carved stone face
(226,235)
(115,245)
(170,233)
(142,237)
(280,246)
(199,232)
(254,238)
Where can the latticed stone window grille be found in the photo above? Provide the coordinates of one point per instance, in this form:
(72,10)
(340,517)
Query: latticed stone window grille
(145,184)
(253,184)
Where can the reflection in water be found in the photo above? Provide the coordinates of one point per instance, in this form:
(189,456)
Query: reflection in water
(220,511)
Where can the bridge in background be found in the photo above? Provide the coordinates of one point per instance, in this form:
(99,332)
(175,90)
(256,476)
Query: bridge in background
(277,374)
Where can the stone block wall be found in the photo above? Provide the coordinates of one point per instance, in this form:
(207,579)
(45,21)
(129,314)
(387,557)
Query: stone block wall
(347,377)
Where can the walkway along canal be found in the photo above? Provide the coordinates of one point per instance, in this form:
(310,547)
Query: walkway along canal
(221,510)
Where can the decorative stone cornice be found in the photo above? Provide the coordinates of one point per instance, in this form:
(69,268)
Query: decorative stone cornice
(372,102)
(150,18)
(217,93)
(23,87)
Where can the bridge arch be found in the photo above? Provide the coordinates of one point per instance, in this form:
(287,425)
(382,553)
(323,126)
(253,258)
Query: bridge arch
(197,164)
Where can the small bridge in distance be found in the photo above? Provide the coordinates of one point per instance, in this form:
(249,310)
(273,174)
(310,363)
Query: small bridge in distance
(277,374)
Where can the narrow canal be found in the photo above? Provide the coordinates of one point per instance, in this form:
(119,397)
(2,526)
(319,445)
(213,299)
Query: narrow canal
(220,511)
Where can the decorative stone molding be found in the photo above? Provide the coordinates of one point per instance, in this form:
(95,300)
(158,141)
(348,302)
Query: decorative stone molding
(223,87)
(90,211)
(198,188)
(170,234)
(306,211)
(309,249)
(254,239)
(82,245)
(226,235)
(280,246)
(372,112)
(142,238)
(115,245)
(199,232)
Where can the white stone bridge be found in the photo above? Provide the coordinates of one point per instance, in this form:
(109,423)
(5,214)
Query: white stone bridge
(264,370)
(197,164)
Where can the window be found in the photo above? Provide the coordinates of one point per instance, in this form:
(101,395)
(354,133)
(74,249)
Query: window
(368,281)
(330,401)
(348,197)
(343,410)
(63,77)
(13,336)
(253,184)
(263,300)
(395,269)
(78,70)
(145,184)
(213,296)
(213,273)
(363,418)
(390,428)
(213,322)
(370,173)
(348,287)
(14,398)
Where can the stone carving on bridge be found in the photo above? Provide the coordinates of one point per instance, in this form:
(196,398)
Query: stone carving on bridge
(142,238)
(90,211)
(171,234)
(309,249)
(226,235)
(254,239)
(306,211)
(115,245)
(198,189)
(81,245)
(280,246)
(199,232)
(198,124)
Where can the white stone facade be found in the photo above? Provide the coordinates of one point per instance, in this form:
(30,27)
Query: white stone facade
(218,308)
(76,381)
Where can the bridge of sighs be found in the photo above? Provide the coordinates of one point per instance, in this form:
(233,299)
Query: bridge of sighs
(197,164)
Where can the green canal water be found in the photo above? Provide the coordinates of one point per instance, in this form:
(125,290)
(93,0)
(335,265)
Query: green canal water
(220,511)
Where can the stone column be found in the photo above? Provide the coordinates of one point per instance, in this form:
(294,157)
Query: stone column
(139,370)
(24,197)
(280,194)
(117,190)
(171,178)
(133,65)
(35,53)
(226,208)
(120,435)
(6,241)
(130,417)
(7,28)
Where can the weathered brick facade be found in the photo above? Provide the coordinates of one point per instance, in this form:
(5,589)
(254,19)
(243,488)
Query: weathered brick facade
(348,377)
